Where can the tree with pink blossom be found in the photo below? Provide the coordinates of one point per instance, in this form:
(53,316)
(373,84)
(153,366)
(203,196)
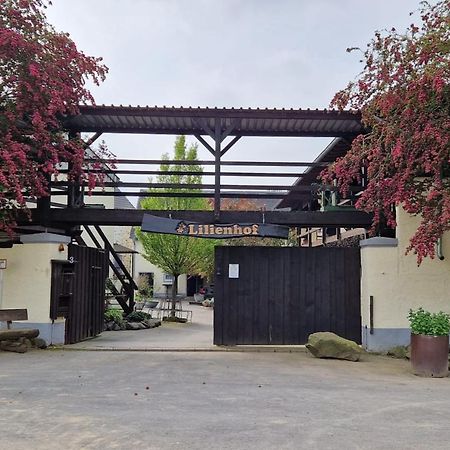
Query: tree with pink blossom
(403,94)
(42,80)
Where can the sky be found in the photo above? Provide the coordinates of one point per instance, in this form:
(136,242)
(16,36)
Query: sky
(225,53)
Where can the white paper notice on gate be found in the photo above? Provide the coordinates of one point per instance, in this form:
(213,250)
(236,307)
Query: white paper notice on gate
(233,270)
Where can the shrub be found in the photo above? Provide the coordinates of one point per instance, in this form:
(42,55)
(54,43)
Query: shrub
(144,288)
(138,316)
(431,324)
(114,315)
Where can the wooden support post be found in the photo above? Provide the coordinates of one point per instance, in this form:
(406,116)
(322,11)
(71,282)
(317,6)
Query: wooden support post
(217,155)
(74,189)
(43,204)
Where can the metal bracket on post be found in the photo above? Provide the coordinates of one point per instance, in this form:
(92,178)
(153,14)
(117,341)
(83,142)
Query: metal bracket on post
(371,314)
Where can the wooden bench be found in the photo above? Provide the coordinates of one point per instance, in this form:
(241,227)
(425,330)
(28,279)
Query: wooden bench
(13,339)
(8,315)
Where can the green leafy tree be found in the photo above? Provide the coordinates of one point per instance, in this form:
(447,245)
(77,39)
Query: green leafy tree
(178,254)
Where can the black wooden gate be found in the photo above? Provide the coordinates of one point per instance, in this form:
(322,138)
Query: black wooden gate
(283,294)
(84,305)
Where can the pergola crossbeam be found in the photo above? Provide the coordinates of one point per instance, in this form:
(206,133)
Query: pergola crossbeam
(133,217)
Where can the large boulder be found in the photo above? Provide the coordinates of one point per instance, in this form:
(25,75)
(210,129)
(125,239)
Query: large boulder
(330,345)
(39,343)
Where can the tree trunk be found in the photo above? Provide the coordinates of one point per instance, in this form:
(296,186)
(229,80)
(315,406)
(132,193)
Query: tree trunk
(174,294)
(16,333)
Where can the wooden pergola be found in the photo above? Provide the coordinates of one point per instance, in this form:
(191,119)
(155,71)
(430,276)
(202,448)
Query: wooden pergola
(218,130)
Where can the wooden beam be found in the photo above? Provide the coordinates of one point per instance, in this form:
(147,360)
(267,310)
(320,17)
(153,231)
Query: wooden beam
(205,143)
(91,140)
(193,172)
(87,128)
(198,112)
(229,145)
(233,125)
(210,163)
(201,187)
(240,194)
(133,217)
(203,124)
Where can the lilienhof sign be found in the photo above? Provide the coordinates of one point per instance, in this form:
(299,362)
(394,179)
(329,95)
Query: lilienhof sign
(155,224)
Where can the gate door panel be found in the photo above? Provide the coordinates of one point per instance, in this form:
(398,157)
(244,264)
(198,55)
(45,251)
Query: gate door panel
(283,294)
(86,309)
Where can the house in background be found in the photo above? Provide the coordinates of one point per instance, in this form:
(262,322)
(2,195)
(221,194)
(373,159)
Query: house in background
(159,281)
(315,201)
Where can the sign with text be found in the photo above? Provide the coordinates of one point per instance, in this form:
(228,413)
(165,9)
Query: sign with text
(155,224)
(233,270)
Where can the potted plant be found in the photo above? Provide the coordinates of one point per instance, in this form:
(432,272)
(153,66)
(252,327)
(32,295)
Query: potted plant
(429,342)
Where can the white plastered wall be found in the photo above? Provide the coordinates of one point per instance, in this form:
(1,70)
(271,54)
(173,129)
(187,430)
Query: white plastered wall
(26,283)
(397,284)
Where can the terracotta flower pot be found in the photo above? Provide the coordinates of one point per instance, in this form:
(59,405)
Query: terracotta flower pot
(429,355)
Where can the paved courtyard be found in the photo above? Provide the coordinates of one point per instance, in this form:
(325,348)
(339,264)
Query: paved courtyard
(57,399)
(196,335)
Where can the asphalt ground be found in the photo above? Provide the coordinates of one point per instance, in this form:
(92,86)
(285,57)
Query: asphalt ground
(58,399)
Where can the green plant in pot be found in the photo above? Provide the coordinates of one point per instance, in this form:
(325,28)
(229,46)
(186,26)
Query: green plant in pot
(429,342)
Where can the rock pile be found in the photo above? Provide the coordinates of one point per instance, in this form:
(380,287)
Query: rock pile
(144,324)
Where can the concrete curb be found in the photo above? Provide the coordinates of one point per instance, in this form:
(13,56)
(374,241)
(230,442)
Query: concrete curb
(255,349)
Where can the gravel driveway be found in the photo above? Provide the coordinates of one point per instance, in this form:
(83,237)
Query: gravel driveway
(58,399)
